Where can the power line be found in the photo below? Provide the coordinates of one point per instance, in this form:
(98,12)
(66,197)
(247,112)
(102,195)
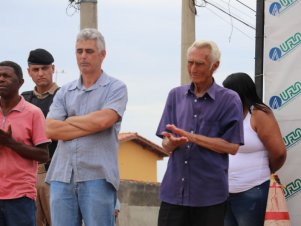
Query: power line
(226,13)
(235,8)
(73,7)
(235,12)
(231,24)
(246,5)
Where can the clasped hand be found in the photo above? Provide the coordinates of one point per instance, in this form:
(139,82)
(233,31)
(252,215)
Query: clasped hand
(177,138)
(5,136)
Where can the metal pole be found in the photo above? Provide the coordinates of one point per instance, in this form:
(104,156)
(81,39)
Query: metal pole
(187,36)
(88,14)
(259,45)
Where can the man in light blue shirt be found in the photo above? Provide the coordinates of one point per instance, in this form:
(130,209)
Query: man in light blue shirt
(85,118)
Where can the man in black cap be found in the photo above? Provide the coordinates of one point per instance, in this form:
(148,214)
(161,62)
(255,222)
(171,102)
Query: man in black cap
(41,70)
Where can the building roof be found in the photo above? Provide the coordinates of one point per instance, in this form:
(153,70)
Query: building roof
(145,143)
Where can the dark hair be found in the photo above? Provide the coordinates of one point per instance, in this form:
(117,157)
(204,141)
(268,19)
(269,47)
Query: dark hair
(15,66)
(243,84)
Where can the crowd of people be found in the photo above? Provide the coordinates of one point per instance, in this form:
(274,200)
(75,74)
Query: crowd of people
(59,145)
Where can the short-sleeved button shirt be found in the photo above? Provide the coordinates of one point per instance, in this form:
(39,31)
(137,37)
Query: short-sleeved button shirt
(94,156)
(196,176)
(17,174)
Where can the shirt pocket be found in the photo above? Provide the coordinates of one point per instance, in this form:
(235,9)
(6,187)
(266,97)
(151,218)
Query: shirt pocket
(210,128)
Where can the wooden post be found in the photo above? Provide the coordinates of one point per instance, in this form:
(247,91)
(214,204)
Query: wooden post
(187,36)
(88,14)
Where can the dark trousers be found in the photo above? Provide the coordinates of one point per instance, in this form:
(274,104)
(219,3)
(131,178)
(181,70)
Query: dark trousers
(176,215)
(18,212)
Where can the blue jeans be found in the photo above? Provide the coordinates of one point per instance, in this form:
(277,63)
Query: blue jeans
(92,202)
(247,208)
(18,212)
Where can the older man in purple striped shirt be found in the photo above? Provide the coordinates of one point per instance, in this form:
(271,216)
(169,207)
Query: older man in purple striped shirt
(201,124)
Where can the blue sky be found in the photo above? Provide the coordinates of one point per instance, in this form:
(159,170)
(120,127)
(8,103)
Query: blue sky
(143,41)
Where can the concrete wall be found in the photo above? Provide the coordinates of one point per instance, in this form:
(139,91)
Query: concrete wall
(139,203)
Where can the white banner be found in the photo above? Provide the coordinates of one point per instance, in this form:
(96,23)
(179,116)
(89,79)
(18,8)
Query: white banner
(282,89)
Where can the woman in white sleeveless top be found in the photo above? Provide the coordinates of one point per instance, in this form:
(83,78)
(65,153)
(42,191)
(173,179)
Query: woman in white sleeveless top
(262,154)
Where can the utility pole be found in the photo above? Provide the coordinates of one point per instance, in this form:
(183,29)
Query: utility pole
(259,45)
(187,35)
(88,14)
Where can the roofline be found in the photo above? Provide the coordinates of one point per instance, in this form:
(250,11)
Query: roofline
(135,137)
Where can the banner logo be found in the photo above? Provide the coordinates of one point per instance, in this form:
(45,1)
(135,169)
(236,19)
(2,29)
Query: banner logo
(277,102)
(277,8)
(292,188)
(286,47)
(292,138)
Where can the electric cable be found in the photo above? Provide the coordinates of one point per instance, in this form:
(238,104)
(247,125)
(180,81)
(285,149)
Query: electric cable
(234,17)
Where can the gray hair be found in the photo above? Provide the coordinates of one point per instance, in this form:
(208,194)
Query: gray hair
(215,52)
(92,34)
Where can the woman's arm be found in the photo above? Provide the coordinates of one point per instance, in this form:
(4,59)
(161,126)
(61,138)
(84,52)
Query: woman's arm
(267,128)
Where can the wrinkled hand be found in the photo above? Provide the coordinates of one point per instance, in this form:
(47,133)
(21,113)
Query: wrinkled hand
(172,141)
(177,131)
(176,141)
(6,136)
